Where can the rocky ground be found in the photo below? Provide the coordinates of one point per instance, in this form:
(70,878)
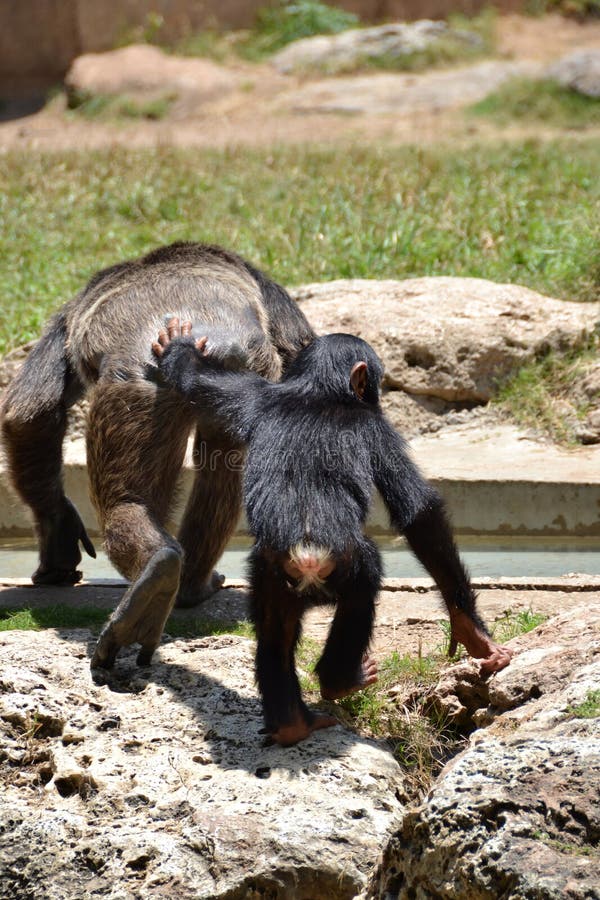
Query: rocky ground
(242,103)
(157,782)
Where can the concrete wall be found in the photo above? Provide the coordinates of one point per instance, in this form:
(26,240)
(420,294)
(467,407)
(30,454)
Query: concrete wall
(40,38)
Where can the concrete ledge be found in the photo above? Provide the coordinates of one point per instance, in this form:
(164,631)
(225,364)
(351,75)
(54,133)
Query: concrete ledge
(496,482)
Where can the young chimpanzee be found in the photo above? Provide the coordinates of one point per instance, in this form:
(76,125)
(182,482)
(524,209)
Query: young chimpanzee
(317,444)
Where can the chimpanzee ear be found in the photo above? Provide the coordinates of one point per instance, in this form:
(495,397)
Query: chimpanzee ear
(358,379)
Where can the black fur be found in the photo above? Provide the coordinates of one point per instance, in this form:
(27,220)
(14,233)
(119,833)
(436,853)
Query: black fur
(316,451)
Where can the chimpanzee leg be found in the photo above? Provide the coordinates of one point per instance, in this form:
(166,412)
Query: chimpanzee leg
(210,517)
(34,420)
(344,667)
(136,443)
(430,538)
(277,612)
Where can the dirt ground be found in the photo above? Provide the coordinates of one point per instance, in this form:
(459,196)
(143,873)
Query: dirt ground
(410,612)
(257,114)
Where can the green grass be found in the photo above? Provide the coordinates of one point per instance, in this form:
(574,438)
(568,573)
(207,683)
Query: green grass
(578,9)
(525,214)
(119,106)
(275,26)
(543,102)
(511,625)
(589,709)
(394,709)
(58,616)
(62,616)
(540,394)
(282,23)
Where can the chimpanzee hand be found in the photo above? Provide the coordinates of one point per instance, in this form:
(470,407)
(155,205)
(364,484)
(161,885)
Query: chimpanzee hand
(174,331)
(491,656)
(177,352)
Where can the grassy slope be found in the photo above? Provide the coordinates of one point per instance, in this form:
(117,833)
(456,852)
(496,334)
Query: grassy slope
(526,214)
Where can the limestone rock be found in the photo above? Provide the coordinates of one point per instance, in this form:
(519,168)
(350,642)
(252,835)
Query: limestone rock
(586,392)
(579,71)
(341,51)
(158,784)
(517,813)
(404,94)
(451,338)
(143,71)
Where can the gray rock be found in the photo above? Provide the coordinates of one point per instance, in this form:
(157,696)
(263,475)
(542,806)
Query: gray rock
(405,93)
(450,338)
(337,52)
(579,71)
(157,784)
(516,814)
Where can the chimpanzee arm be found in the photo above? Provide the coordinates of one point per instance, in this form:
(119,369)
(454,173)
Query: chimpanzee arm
(232,398)
(417,511)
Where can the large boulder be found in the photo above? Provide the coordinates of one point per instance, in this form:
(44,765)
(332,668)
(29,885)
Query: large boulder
(448,338)
(516,814)
(579,71)
(336,52)
(404,94)
(141,71)
(158,782)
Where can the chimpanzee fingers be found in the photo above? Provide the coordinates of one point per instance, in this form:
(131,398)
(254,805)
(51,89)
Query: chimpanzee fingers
(201,345)
(161,342)
(173,328)
(186,329)
(369,670)
(498,660)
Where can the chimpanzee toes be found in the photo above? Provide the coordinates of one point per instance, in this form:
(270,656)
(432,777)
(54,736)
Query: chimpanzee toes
(144,657)
(299,729)
(106,650)
(193,594)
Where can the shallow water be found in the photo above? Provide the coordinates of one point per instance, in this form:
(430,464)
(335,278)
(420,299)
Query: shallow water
(484,556)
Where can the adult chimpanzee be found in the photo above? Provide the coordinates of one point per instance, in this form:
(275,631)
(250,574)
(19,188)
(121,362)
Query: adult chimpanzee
(317,444)
(137,434)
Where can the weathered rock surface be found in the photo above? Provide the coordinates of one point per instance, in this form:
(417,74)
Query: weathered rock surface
(445,343)
(579,71)
(517,814)
(337,52)
(404,94)
(586,393)
(450,338)
(157,784)
(143,71)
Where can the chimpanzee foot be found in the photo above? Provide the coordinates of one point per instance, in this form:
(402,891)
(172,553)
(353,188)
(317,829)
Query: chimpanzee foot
(491,656)
(60,536)
(299,729)
(141,615)
(43,575)
(367,674)
(194,595)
